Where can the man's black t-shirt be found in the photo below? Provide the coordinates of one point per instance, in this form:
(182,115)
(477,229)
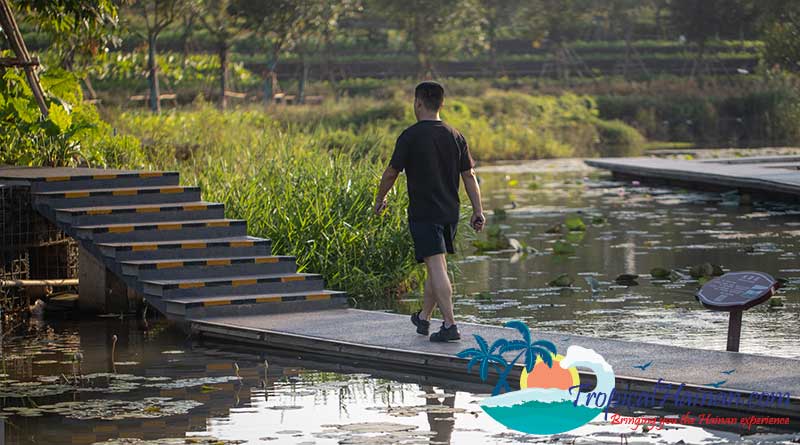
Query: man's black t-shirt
(433,154)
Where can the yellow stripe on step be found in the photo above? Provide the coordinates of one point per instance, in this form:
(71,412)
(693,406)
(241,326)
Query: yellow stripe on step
(145,247)
(76,194)
(150,175)
(247,282)
(191,285)
(193,246)
(219,224)
(218,263)
(241,244)
(171,190)
(169,265)
(216,303)
(169,226)
(104,177)
(122,229)
(269,259)
(99,212)
(315,297)
(195,208)
(57,178)
(293,278)
(125,192)
(148,210)
(271,299)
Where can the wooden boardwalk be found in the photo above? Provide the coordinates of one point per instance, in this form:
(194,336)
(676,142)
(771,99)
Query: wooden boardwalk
(775,177)
(382,339)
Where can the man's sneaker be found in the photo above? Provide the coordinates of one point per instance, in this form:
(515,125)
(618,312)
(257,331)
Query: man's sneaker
(446,334)
(422,325)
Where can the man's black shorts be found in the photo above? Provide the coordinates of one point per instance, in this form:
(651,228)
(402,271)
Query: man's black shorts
(432,239)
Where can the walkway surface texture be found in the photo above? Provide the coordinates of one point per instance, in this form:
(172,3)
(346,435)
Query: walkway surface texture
(766,174)
(198,268)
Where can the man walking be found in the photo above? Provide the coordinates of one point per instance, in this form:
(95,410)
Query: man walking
(434,156)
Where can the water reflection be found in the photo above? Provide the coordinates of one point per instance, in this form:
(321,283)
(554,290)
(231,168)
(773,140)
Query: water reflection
(172,388)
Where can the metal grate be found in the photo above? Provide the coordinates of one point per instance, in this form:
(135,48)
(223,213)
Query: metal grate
(30,248)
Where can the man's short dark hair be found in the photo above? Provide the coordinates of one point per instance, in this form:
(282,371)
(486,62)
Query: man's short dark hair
(431,94)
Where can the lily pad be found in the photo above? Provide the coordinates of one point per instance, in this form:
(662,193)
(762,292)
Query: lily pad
(563,248)
(563,280)
(555,229)
(574,223)
(775,302)
(660,273)
(627,279)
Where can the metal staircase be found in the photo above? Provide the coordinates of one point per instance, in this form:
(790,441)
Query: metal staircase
(179,252)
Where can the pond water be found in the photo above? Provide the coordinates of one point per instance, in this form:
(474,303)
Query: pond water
(637,229)
(70,382)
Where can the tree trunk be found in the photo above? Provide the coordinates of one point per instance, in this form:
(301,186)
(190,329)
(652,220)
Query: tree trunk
(152,69)
(491,36)
(301,90)
(223,74)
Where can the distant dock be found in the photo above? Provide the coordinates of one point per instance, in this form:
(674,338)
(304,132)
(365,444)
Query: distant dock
(771,177)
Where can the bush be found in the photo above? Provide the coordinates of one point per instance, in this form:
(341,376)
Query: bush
(618,139)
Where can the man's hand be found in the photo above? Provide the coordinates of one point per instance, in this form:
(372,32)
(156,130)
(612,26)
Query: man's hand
(380,206)
(477,221)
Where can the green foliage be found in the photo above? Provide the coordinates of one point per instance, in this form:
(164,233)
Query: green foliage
(619,139)
(72,134)
(76,30)
(310,202)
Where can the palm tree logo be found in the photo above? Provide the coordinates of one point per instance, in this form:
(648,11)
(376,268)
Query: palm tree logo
(492,356)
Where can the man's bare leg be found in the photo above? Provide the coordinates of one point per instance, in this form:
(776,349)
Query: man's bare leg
(439,283)
(428,301)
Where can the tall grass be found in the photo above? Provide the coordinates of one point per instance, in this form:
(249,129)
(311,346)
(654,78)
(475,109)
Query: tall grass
(310,203)
(305,176)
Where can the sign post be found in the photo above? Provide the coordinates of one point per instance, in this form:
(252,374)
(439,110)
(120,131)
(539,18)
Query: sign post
(735,292)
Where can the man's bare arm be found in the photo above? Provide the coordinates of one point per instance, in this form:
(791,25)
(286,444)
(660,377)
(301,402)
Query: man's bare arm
(474,192)
(387,181)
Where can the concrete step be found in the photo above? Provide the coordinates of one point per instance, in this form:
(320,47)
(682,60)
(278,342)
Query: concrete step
(72,179)
(187,249)
(234,305)
(218,267)
(233,285)
(165,230)
(174,211)
(47,202)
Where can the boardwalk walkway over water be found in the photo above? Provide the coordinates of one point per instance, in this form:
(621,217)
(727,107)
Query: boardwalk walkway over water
(204,271)
(774,177)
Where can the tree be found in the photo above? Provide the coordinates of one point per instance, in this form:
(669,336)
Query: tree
(434,29)
(157,15)
(496,14)
(225,20)
(77,30)
(781,35)
(557,22)
(701,21)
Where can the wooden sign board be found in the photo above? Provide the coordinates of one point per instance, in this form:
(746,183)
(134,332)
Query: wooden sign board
(737,291)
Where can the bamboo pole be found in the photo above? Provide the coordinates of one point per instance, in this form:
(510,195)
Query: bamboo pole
(35,283)
(11,30)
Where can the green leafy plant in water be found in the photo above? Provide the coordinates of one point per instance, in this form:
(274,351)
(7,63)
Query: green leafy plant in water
(491,357)
(574,223)
(563,280)
(495,240)
(561,247)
